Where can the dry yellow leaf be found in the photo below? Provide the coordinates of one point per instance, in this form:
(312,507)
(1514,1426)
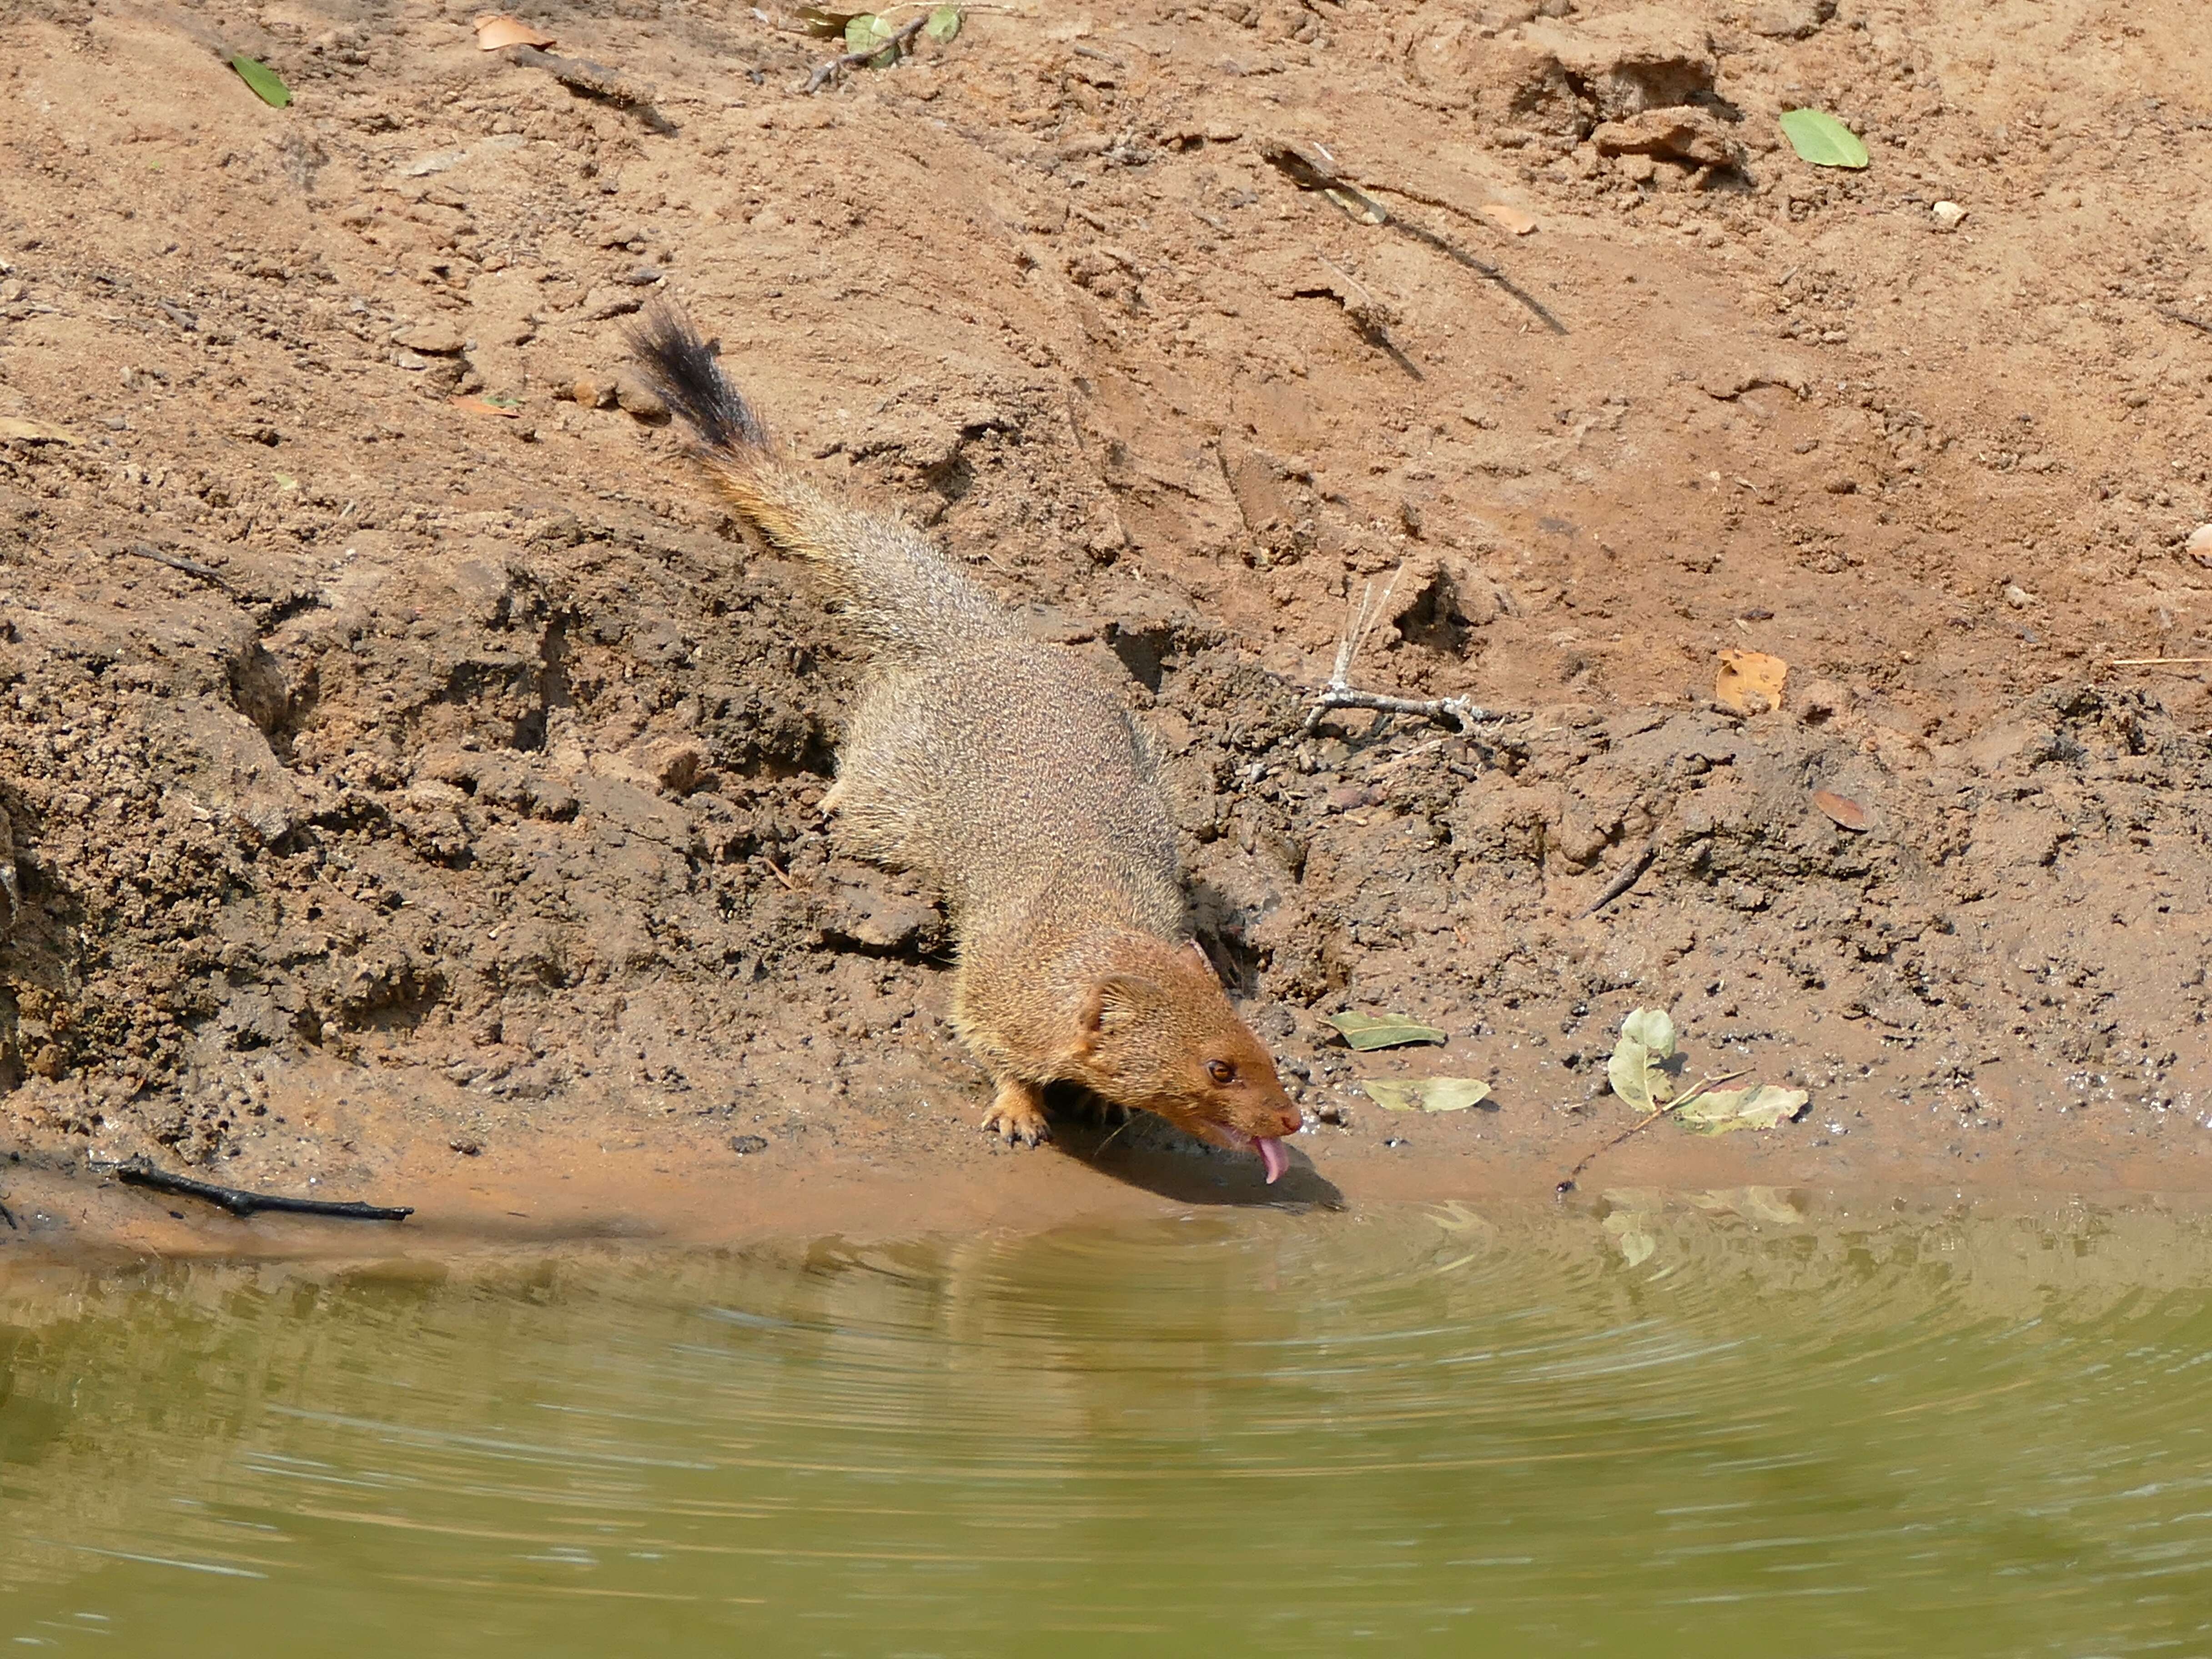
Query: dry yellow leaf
(1513,221)
(1750,682)
(495,29)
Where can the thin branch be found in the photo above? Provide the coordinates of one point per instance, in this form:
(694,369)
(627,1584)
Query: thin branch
(2191,319)
(1309,166)
(2159,662)
(139,1173)
(581,75)
(896,44)
(1461,714)
(190,566)
(1703,1086)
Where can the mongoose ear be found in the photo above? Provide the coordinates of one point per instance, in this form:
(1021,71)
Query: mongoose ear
(1114,1002)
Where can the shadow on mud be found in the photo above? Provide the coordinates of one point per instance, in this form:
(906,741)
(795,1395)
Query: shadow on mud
(1159,1159)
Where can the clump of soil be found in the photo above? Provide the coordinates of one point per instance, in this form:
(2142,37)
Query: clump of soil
(399,750)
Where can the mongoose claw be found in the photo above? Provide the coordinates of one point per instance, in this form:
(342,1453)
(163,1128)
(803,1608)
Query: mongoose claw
(1016,1116)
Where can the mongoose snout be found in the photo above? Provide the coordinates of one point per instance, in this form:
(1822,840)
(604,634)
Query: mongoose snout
(1005,772)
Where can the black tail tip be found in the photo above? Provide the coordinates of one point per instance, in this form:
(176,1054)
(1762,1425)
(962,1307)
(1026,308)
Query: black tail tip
(683,367)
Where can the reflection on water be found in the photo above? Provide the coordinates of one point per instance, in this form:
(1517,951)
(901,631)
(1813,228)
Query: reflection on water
(1428,1431)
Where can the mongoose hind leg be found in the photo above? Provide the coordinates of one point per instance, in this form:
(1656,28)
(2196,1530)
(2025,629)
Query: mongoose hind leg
(1016,1116)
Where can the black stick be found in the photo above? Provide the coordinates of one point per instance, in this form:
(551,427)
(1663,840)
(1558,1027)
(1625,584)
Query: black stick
(139,1173)
(8,1216)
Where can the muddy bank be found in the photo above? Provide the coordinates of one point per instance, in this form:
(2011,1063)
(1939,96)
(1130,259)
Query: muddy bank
(394,785)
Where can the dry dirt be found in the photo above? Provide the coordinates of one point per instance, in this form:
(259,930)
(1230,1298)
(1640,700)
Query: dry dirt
(409,796)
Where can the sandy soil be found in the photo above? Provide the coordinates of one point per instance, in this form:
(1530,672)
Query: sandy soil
(409,797)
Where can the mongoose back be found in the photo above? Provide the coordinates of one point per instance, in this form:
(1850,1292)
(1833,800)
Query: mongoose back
(1004,771)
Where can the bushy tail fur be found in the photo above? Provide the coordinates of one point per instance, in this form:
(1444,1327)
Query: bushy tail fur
(898,591)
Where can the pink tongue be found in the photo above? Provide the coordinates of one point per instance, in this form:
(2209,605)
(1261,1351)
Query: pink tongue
(1273,1155)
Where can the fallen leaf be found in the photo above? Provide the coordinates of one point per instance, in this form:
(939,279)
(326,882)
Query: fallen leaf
(32,432)
(1427,1094)
(943,25)
(1636,1067)
(1652,1027)
(820,20)
(1750,682)
(1762,1107)
(267,85)
(1365,1032)
(495,29)
(1820,139)
(868,30)
(487,406)
(1842,809)
(1513,221)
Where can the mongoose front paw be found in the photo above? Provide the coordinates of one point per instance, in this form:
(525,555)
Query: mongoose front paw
(1016,1116)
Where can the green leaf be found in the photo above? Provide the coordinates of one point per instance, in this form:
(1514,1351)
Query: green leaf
(1365,1032)
(1427,1094)
(266,85)
(869,30)
(1820,139)
(1653,1028)
(1760,1108)
(944,23)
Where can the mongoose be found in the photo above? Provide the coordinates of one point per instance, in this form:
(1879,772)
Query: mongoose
(1004,771)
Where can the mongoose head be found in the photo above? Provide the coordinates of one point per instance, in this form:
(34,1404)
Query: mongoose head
(1158,1034)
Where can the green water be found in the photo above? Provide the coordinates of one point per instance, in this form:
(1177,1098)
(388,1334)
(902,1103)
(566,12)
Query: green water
(1427,1430)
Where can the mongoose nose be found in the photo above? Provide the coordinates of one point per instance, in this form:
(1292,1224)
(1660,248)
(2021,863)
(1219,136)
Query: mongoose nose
(1292,1122)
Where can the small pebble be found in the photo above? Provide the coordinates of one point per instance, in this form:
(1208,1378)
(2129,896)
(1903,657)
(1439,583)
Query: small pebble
(1948,215)
(2018,596)
(2199,544)
(639,399)
(745,1145)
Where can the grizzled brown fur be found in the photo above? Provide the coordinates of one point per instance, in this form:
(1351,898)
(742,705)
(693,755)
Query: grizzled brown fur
(1002,770)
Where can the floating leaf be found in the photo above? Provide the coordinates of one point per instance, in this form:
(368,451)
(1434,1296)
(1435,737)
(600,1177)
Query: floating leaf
(267,86)
(1842,809)
(1629,1236)
(1820,139)
(1427,1094)
(1365,1031)
(495,29)
(944,23)
(1750,682)
(1763,1106)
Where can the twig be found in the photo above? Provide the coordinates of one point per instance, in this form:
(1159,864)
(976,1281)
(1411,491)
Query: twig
(190,566)
(1461,714)
(2183,316)
(596,80)
(2157,662)
(1628,878)
(896,44)
(8,1216)
(1705,1085)
(779,872)
(139,1173)
(1309,166)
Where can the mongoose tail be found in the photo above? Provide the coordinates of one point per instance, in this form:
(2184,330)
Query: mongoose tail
(898,591)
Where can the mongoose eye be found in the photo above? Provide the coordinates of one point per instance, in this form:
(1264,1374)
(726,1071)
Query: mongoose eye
(1221,1071)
